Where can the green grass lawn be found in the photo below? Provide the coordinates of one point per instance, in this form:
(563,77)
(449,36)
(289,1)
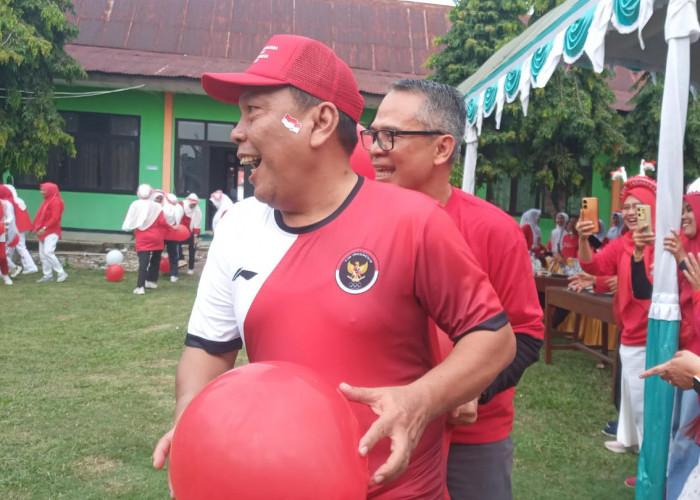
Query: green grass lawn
(87,381)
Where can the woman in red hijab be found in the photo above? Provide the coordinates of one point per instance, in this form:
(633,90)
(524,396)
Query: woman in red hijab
(683,452)
(618,258)
(47,225)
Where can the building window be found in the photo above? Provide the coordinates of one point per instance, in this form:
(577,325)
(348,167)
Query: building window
(107,155)
(514,196)
(517,195)
(200,150)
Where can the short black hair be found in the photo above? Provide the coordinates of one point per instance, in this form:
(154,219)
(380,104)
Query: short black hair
(443,109)
(347,127)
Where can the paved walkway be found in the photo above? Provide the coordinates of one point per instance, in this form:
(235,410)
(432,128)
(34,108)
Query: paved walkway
(87,250)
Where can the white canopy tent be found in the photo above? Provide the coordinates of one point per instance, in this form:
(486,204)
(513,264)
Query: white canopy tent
(638,34)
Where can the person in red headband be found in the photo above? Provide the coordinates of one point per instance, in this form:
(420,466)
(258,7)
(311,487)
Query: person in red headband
(620,257)
(327,269)
(47,225)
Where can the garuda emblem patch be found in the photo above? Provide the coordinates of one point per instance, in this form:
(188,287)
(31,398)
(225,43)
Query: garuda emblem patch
(357,271)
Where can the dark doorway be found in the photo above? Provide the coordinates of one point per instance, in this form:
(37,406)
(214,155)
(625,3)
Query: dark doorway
(223,174)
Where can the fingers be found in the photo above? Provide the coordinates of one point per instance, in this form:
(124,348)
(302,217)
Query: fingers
(397,462)
(377,431)
(356,394)
(656,370)
(162,449)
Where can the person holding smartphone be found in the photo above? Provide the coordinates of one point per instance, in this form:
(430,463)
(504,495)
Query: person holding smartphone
(617,258)
(684,245)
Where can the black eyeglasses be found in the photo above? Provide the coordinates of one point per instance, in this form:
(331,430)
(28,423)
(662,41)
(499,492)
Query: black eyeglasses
(385,138)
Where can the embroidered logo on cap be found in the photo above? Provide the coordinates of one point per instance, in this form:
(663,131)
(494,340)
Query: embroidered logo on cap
(291,123)
(263,53)
(357,271)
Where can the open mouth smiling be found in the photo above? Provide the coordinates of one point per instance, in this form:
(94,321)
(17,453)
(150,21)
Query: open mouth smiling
(253,161)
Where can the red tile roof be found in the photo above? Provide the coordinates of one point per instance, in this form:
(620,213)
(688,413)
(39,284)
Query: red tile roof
(381,40)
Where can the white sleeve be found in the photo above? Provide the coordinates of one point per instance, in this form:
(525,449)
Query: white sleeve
(9,212)
(213,317)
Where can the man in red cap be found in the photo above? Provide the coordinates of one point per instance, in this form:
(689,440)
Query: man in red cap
(327,269)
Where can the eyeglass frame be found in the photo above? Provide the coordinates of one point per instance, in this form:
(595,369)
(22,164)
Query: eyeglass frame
(392,133)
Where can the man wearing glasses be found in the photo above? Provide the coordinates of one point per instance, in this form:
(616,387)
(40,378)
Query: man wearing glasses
(340,274)
(413,142)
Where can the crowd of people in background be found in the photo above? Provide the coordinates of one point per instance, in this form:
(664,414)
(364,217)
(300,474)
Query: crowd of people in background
(478,452)
(620,261)
(160,222)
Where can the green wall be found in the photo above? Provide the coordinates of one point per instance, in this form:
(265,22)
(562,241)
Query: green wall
(100,211)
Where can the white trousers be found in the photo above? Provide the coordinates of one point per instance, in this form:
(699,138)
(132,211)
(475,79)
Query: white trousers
(691,490)
(630,428)
(47,254)
(21,248)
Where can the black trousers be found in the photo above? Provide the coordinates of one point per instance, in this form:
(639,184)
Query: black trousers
(149,266)
(173,253)
(190,251)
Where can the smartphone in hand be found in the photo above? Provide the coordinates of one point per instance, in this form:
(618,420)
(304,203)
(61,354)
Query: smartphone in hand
(589,211)
(644,217)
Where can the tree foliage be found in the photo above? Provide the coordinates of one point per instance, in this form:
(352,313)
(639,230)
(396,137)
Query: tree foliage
(571,127)
(479,27)
(33,34)
(642,126)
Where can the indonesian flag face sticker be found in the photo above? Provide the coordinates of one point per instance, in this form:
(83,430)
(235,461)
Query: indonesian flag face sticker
(291,123)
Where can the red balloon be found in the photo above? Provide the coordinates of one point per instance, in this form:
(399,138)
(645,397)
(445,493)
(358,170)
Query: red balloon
(268,430)
(179,234)
(164,265)
(360,160)
(115,272)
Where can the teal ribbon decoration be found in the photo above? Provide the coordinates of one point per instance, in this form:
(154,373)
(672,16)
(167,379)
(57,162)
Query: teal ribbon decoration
(490,98)
(539,58)
(512,83)
(472,108)
(626,11)
(577,33)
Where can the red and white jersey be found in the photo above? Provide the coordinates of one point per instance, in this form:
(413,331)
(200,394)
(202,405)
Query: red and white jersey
(349,297)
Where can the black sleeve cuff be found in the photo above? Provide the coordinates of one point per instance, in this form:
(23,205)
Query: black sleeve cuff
(527,352)
(211,346)
(494,323)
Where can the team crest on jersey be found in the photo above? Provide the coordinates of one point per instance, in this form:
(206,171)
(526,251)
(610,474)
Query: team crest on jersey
(357,271)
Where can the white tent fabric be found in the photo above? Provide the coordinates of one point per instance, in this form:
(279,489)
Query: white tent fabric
(598,28)
(681,30)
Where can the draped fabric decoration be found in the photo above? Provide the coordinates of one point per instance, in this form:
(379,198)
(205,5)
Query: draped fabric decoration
(582,30)
(576,36)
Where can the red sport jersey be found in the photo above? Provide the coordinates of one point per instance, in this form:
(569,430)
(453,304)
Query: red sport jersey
(349,297)
(497,243)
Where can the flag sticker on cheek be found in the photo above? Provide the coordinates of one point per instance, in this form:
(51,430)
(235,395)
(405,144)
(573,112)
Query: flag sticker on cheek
(291,123)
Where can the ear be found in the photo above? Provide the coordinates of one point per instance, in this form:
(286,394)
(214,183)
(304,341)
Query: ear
(325,118)
(444,148)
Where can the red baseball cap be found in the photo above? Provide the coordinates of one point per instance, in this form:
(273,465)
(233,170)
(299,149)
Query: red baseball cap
(302,62)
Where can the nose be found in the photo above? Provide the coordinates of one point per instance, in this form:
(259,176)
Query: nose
(238,134)
(374,149)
